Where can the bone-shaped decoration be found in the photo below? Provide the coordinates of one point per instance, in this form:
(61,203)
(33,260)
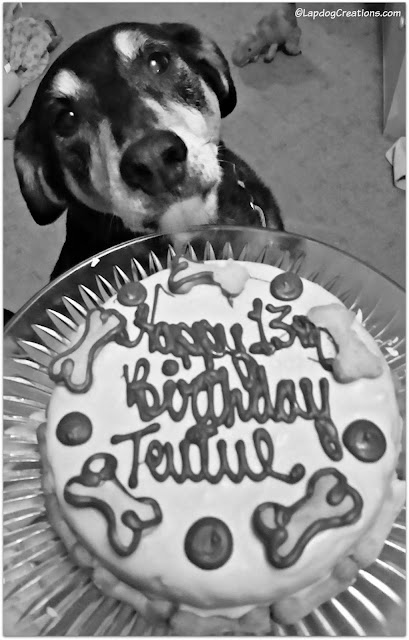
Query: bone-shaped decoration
(330,502)
(100,489)
(354,360)
(185,274)
(74,366)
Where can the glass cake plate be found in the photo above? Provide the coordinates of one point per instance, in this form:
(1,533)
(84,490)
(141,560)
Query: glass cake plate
(44,593)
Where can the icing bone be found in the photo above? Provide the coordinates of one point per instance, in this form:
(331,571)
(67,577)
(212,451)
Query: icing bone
(185,274)
(329,502)
(74,366)
(89,489)
(354,360)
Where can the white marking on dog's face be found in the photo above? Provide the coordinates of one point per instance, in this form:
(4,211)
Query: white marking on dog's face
(48,192)
(199,130)
(190,212)
(66,85)
(132,206)
(34,178)
(27,169)
(129,43)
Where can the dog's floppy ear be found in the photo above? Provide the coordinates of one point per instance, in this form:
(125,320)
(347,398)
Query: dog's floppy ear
(36,174)
(205,57)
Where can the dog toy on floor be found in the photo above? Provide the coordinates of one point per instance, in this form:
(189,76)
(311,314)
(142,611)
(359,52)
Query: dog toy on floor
(11,88)
(27,43)
(279,29)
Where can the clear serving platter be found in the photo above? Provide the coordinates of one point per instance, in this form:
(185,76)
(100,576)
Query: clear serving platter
(44,593)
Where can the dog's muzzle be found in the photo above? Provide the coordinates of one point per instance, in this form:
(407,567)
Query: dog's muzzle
(156,163)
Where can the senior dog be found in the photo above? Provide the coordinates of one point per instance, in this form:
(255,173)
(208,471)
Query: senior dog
(124,134)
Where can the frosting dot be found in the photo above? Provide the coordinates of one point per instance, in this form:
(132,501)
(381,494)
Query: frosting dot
(209,543)
(132,294)
(286,286)
(364,440)
(74,428)
(170,368)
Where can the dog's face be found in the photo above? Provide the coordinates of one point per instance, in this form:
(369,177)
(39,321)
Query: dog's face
(127,121)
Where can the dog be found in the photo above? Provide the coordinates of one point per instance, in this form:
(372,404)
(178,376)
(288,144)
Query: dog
(124,134)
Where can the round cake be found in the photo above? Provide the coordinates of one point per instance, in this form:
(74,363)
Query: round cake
(221,445)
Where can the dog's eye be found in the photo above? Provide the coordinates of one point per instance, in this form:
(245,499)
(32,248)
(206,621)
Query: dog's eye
(66,123)
(158,61)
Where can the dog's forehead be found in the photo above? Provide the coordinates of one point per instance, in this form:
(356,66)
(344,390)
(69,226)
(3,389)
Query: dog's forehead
(91,67)
(129,43)
(106,75)
(131,38)
(124,40)
(100,53)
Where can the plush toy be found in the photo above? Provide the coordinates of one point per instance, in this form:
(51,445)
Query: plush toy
(27,43)
(11,88)
(277,30)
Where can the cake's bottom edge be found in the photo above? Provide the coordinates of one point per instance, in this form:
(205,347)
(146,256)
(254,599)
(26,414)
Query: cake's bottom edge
(260,620)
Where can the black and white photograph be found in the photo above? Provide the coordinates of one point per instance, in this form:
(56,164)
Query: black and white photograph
(204,319)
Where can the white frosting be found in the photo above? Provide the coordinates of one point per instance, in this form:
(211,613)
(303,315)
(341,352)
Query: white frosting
(159,566)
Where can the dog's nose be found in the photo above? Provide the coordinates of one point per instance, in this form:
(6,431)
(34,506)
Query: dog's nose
(156,163)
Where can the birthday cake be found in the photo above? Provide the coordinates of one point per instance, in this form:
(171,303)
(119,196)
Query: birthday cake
(220,447)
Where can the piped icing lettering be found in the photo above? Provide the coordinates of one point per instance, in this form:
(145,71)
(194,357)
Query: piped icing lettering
(201,339)
(253,402)
(364,440)
(158,452)
(93,488)
(329,502)
(307,333)
(209,543)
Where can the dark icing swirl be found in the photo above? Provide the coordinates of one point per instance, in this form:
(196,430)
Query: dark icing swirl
(158,452)
(184,285)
